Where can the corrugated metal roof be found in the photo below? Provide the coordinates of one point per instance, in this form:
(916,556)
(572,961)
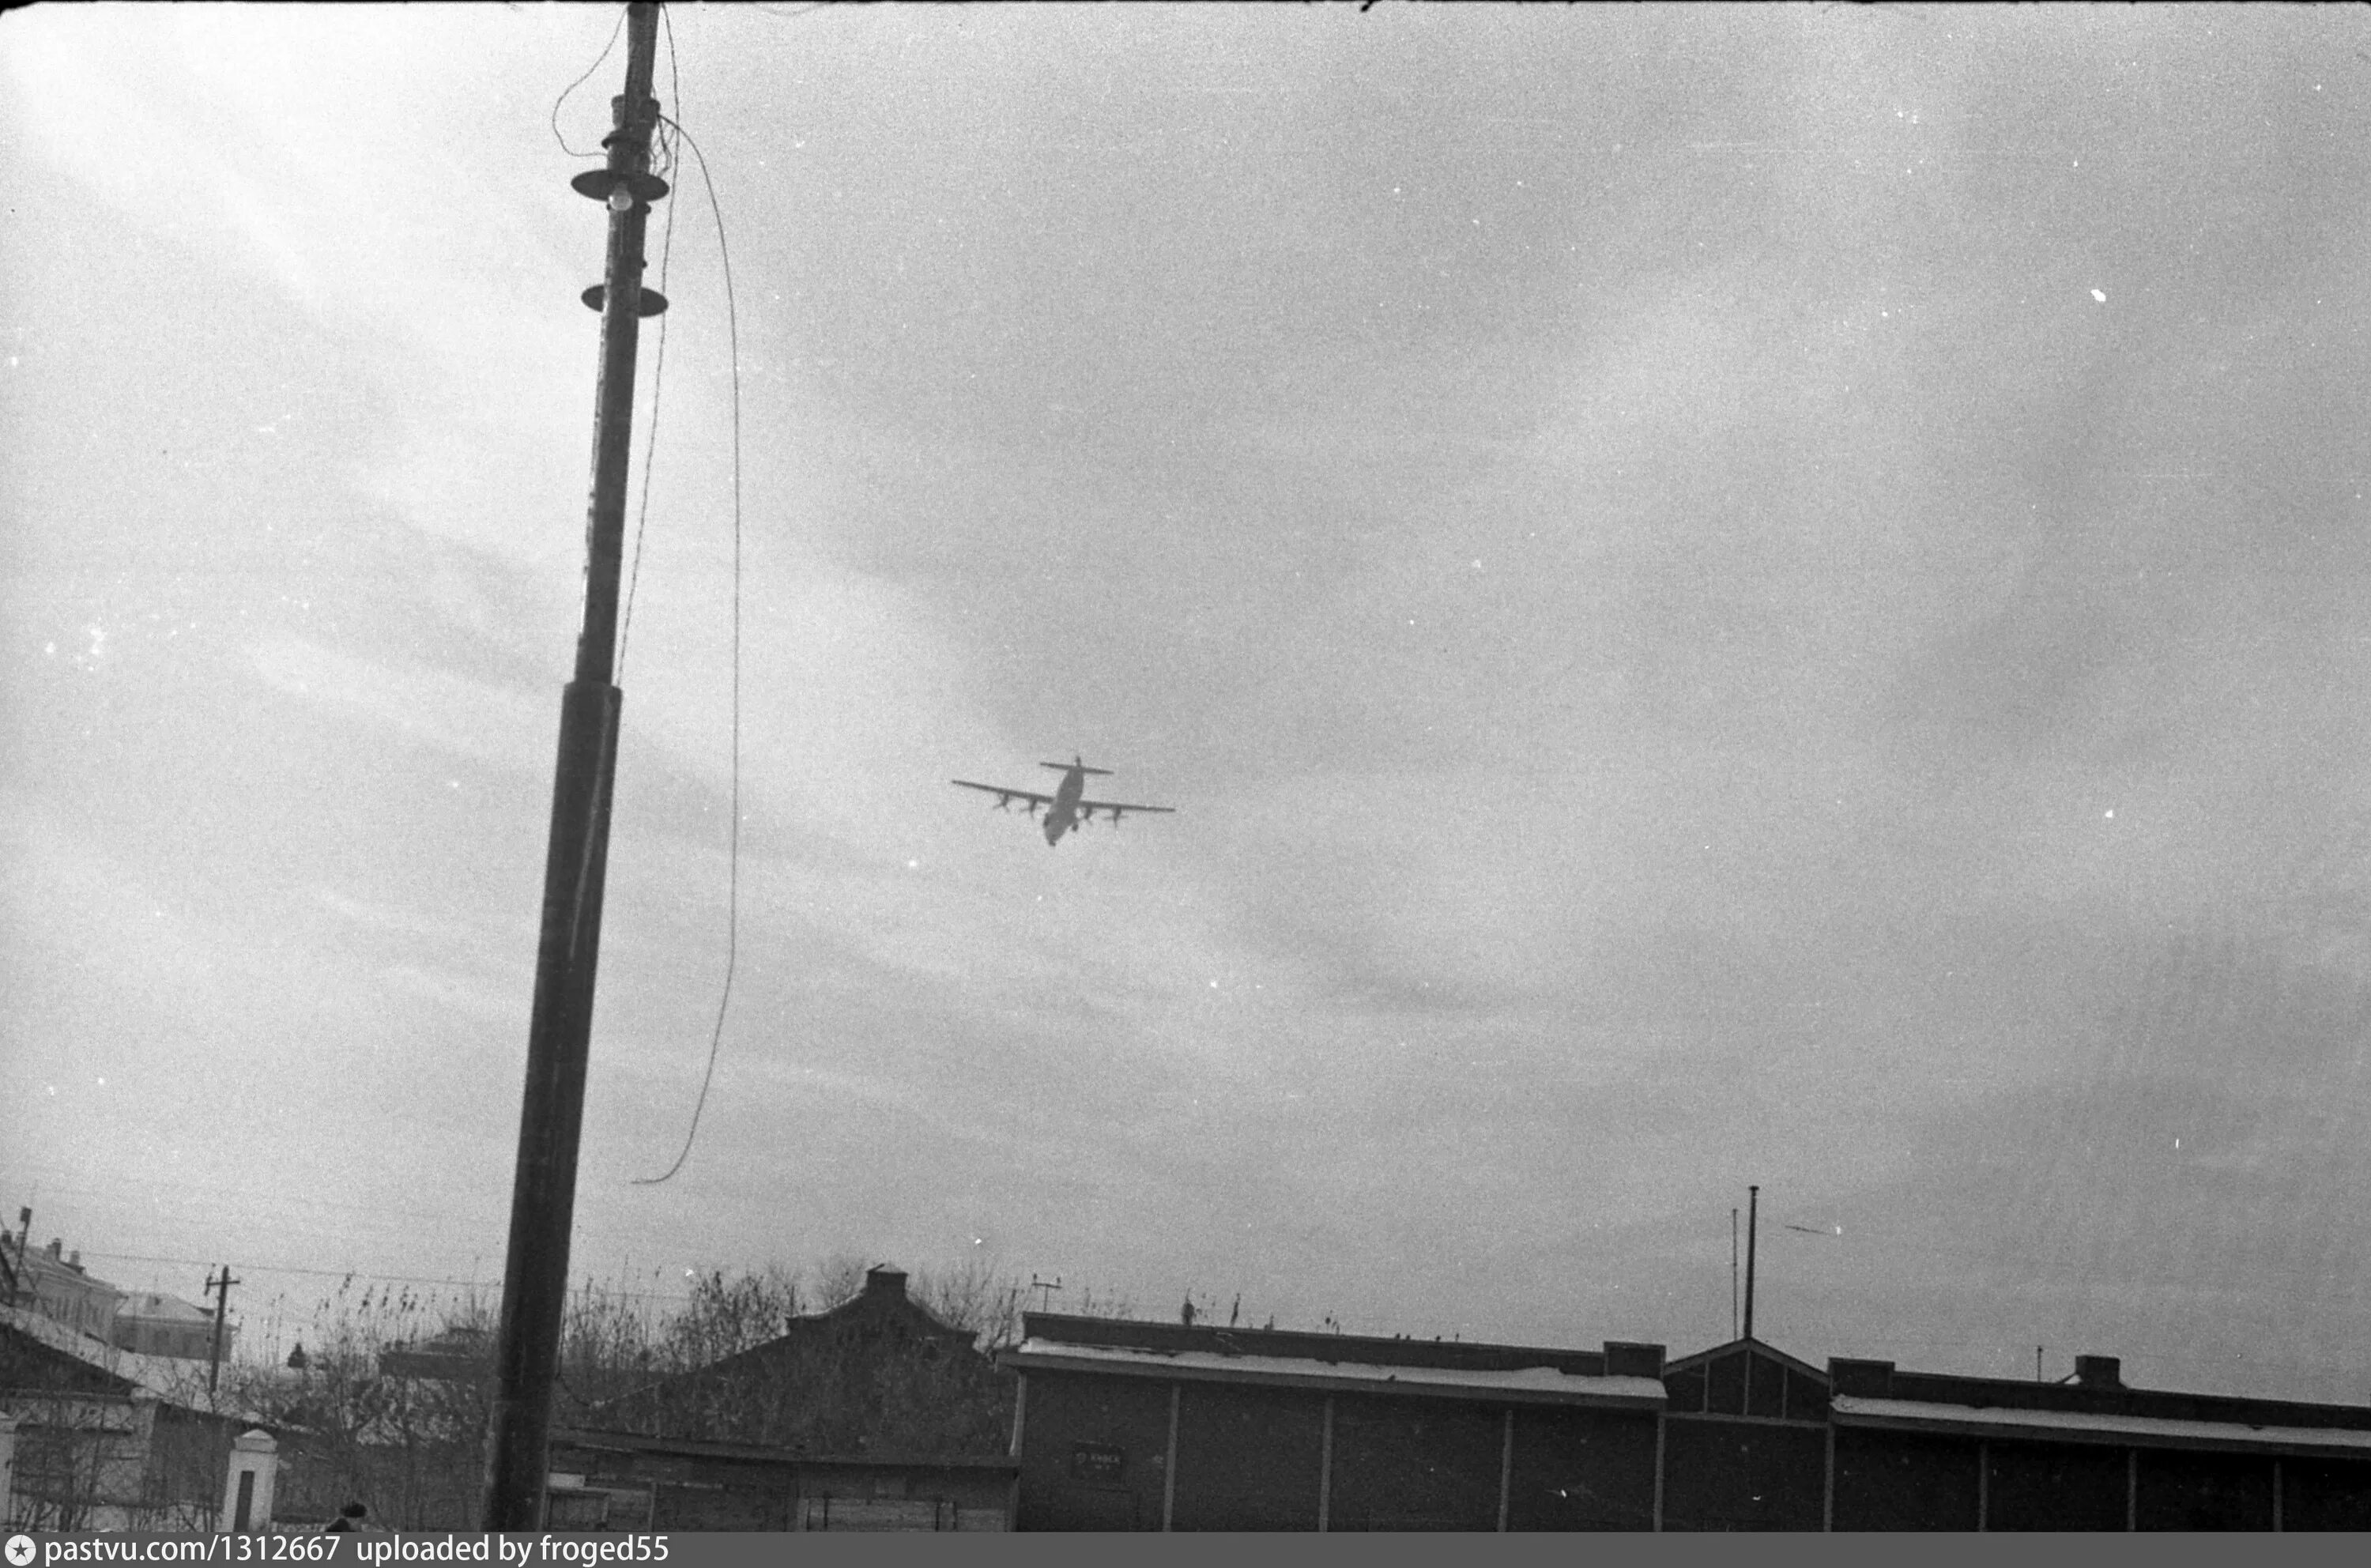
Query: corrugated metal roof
(1528,1385)
(2087,1426)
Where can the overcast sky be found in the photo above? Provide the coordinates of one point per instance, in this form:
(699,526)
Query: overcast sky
(1772,595)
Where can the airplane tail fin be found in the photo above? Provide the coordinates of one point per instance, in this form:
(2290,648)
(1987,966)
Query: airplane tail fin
(1080,767)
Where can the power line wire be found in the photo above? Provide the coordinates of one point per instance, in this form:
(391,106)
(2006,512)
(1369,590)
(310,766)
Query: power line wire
(580,81)
(368,1275)
(188,1196)
(733,852)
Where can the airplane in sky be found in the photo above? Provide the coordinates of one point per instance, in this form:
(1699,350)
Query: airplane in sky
(1065,808)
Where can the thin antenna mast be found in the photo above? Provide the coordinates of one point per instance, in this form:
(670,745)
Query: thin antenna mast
(1733,1273)
(1753,1212)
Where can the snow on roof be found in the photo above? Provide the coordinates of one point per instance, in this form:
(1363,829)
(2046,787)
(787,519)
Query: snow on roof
(1538,1385)
(1853,1410)
(174,1381)
(156,1306)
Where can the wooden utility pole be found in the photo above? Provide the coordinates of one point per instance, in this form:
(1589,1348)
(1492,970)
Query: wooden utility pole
(551,1112)
(221,1287)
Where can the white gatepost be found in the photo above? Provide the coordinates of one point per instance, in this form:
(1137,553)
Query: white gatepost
(247,1489)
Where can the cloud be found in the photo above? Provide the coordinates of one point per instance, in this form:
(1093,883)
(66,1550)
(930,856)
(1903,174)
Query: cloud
(472,719)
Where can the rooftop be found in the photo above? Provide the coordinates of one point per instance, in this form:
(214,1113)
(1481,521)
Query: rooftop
(171,1378)
(1621,1374)
(2094,1426)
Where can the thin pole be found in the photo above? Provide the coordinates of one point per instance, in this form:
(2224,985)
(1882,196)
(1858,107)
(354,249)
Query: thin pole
(552,1109)
(1752,1213)
(24,1244)
(1733,1273)
(222,1311)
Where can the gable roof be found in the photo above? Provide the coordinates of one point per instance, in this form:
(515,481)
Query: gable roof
(151,1306)
(1747,1378)
(1759,1348)
(103,1368)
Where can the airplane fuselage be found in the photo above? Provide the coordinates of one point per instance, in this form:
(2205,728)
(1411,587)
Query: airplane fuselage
(1063,815)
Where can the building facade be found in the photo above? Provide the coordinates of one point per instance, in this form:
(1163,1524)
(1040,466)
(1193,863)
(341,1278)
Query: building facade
(874,1416)
(1140,1426)
(875,1372)
(1124,1426)
(152,1323)
(107,1439)
(1744,1440)
(54,1283)
(1921,1451)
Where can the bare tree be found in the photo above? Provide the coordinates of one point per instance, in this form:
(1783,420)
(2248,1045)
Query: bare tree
(390,1409)
(392,1402)
(725,1317)
(972,1297)
(839,1278)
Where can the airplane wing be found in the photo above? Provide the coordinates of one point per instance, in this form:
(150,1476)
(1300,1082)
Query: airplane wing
(1087,810)
(1004,796)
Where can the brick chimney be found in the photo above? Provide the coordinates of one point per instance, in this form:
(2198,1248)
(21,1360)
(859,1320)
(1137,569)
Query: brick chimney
(886,1282)
(2098,1371)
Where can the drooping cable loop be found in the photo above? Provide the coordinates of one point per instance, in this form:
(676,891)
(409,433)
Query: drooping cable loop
(732,893)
